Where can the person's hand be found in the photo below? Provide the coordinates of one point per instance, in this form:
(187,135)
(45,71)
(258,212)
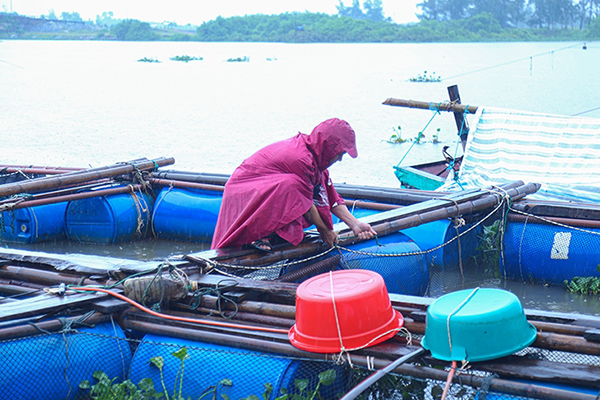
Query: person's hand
(363,231)
(328,236)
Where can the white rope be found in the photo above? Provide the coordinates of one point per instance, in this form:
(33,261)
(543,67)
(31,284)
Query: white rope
(457,309)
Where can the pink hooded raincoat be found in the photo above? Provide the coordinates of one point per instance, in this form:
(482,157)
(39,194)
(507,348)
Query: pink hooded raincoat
(273,189)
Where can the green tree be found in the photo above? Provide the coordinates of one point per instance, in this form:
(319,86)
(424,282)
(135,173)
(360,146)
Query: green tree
(106,19)
(71,17)
(133,29)
(51,15)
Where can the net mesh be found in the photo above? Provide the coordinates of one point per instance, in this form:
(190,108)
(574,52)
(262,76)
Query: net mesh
(83,364)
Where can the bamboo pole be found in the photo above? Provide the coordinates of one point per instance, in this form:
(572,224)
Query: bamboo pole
(442,106)
(468,207)
(129,189)
(186,184)
(535,219)
(43,167)
(76,177)
(34,170)
(54,325)
(49,278)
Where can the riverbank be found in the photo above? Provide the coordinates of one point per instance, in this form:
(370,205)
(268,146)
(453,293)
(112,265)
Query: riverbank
(305,28)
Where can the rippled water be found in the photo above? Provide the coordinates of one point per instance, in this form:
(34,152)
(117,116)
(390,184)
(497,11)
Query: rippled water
(79,103)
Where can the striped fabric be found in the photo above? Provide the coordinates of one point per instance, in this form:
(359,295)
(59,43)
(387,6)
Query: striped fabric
(559,152)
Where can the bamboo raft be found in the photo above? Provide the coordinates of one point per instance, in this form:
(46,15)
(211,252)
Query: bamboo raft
(270,304)
(262,311)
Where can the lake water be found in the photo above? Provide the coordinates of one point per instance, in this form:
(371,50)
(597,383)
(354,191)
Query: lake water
(81,103)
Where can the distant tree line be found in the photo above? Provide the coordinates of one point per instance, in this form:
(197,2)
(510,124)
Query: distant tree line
(441,21)
(550,14)
(311,27)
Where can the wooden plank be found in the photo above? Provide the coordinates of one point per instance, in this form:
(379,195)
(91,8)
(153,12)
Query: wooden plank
(45,303)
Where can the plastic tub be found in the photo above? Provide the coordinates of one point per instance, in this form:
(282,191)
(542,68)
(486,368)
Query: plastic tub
(208,364)
(50,367)
(357,314)
(186,214)
(483,324)
(34,224)
(108,219)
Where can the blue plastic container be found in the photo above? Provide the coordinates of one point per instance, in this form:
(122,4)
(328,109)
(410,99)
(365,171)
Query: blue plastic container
(108,219)
(402,274)
(50,367)
(34,224)
(186,214)
(543,253)
(432,234)
(208,364)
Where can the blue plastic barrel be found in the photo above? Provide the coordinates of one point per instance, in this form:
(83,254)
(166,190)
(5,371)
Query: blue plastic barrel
(108,219)
(34,224)
(186,214)
(209,364)
(50,367)
(544,253)
(403,274)
(433,234)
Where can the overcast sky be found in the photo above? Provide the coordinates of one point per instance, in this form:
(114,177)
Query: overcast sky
(196,11)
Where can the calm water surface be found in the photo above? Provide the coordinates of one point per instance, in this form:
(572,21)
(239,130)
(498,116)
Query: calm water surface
(78,103)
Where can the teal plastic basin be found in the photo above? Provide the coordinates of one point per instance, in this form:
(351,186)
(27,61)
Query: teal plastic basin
(484,324)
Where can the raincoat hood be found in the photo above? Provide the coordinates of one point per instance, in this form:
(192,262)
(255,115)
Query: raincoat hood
(329,139)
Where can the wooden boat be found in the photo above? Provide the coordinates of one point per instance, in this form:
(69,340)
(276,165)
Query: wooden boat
(427,176)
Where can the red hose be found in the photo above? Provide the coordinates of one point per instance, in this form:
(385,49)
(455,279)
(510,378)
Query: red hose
(180,319)
(449,380)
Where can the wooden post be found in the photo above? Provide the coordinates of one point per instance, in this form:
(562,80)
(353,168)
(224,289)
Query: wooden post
(461,123)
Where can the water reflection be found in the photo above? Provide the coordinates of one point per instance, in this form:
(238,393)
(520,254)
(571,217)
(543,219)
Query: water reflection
(532,296)
(143,250)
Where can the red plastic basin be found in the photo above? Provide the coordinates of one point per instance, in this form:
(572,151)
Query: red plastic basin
(365,315)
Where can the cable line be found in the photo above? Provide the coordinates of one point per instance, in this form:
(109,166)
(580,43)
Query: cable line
(512,62)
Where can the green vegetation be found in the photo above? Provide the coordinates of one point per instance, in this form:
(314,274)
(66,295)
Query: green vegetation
(106,389)
(239,59)
(584,285)
(186,58)
(150,60)
(325,378)
(131,30)
(397,136)
(489,248)
(440,21)
(426,78)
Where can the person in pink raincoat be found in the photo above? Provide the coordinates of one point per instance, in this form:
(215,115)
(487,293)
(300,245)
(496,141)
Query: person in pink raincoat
(285,187)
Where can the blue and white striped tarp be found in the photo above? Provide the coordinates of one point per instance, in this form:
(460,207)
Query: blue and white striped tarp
(561,153)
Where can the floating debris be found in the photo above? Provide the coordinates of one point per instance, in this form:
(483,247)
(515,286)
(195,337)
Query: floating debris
(186,58)
(239,59)
(150,60)
(426,78)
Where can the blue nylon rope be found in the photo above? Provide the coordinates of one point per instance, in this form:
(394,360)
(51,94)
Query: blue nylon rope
(437,111)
